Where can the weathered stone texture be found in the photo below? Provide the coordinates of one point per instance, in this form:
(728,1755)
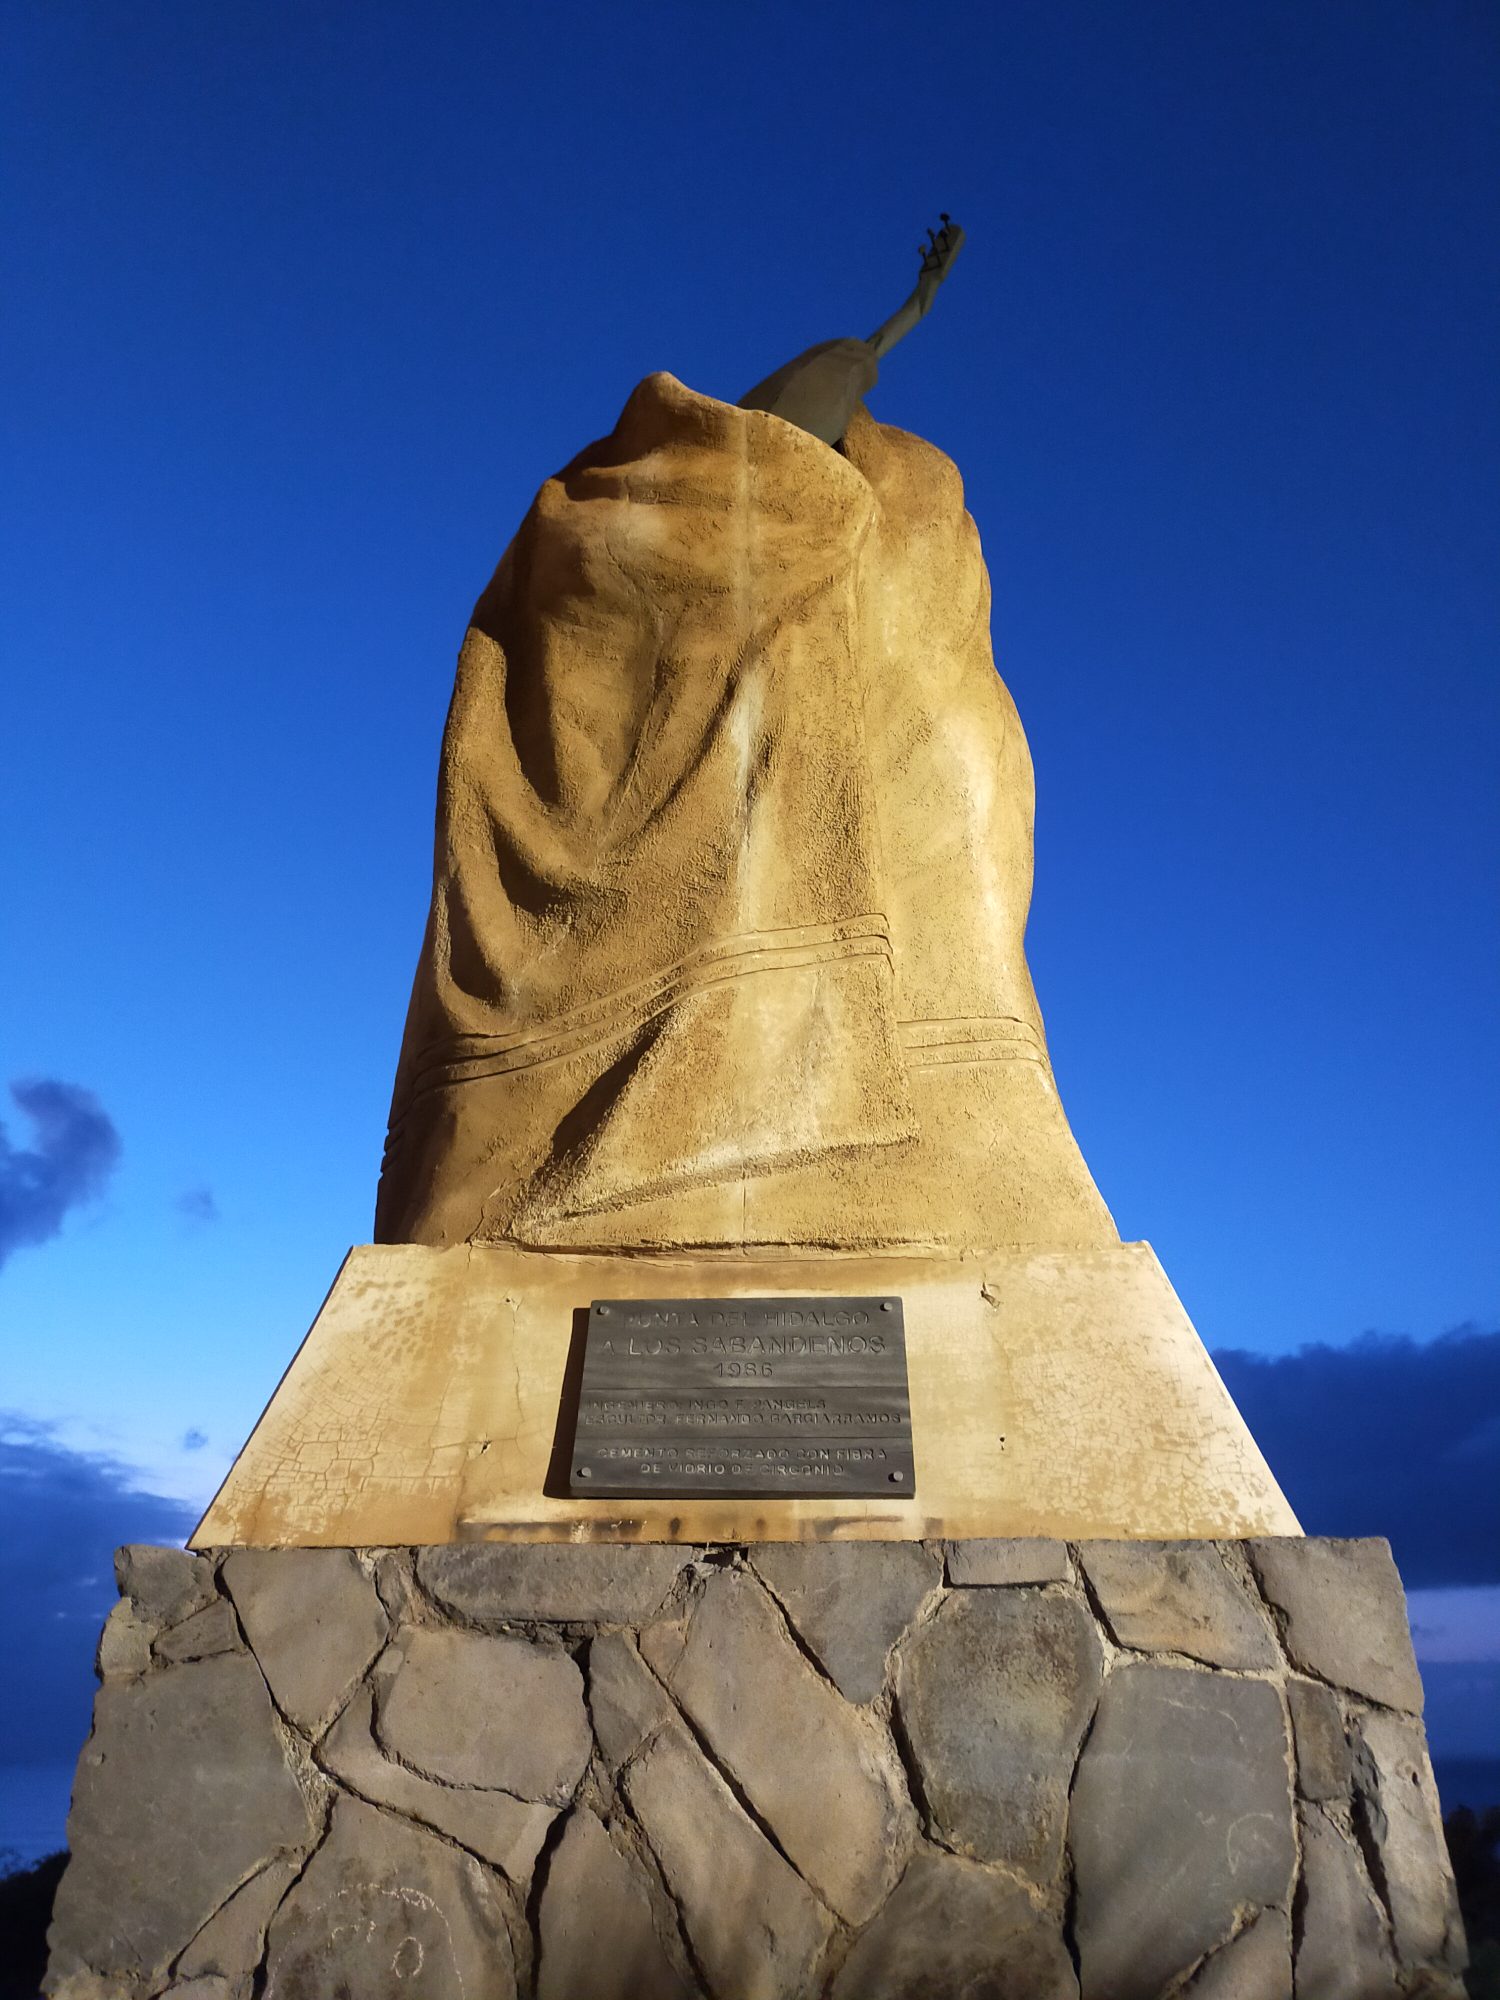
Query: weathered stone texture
(1343,1614)
(1181,1820)
(1177,1597)
(716,1788)
(1398,1807)
(596,1892)
(822,1775)
(183,1791)
(497,1583)
(994,1694)
(1324,1763)
(1342,1948)
(954,1928)
(384,1907)
(1029,1559)
(626,1701)
(164,1585)
(850,1603)
(754,1926)
(500,1828)
(313,1621)
(1256,1964)
(497,1712)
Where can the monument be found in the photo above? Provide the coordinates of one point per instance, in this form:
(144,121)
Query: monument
(747,1525)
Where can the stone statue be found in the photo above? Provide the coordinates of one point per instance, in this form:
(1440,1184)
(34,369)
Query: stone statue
(821,389)
(734,854)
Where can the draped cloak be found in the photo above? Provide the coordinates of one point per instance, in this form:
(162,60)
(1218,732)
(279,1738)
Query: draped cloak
(733,859)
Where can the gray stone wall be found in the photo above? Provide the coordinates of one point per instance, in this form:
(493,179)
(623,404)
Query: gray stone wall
(1003,1770)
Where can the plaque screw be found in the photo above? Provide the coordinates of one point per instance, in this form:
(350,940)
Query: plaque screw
(603,1311)
(585,1472)
(886,1306)
(896,1478)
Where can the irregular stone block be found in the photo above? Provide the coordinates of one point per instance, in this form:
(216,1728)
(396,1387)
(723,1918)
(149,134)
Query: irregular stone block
(313,1621)
(1324,1762)
(822,1775)
(1177,1597)
(209,1987)
(626,1700)
(1181,1819)
(994,1694)
(124,1644)
(493,1583)
(850,1601)
(1342,1952)
(1398,1802)
(1022,1559)
(954,1928)
(202,1636)
(756,1929)
(497,1827)
(1255,1965)
(164,1585)
(232,1942)
(381,1905)
(499,1712)
(183,1791)
(598,1935)
(1344,1614)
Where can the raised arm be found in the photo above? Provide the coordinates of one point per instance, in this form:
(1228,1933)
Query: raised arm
(821,389)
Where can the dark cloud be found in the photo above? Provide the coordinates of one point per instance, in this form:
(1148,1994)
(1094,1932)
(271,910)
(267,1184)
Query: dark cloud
(65,1513)
(194,1440)
(1387,1436)
(198,1205)
(76,1150)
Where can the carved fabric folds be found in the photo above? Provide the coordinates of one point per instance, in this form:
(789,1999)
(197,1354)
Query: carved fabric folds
(734,851)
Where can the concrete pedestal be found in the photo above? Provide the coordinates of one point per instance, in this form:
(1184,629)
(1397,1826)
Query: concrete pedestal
(1120,1770)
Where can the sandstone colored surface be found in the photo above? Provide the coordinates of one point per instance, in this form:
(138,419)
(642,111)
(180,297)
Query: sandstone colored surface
(1398,1806)
(1181,1822)
(627,1703)
(851,1602)
(500,1829)
(754,1926)
(382,1907)
(595,1891)
(1178,1597)
(1342,1952)
(994,1694)
(822,1775)
(497,1583)
(182,1792)
(986,1560)
(124,1650)
(497,1712)
(699,984)
(314,1622)
(1059,1393)
(1344,1614)
(953,1928)
(1324,1762)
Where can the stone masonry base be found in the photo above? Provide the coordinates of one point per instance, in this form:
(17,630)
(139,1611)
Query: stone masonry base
(1003,1770)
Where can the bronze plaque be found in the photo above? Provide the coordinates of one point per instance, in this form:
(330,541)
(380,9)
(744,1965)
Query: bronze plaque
(756,1399)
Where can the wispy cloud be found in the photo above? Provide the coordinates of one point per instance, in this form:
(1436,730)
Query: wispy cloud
(75,1151)
(198,1205)
(1387,1436)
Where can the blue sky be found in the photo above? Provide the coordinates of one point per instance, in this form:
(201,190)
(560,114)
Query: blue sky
(304,301)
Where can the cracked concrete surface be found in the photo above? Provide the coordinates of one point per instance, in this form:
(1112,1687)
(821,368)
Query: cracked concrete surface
(713,1789)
